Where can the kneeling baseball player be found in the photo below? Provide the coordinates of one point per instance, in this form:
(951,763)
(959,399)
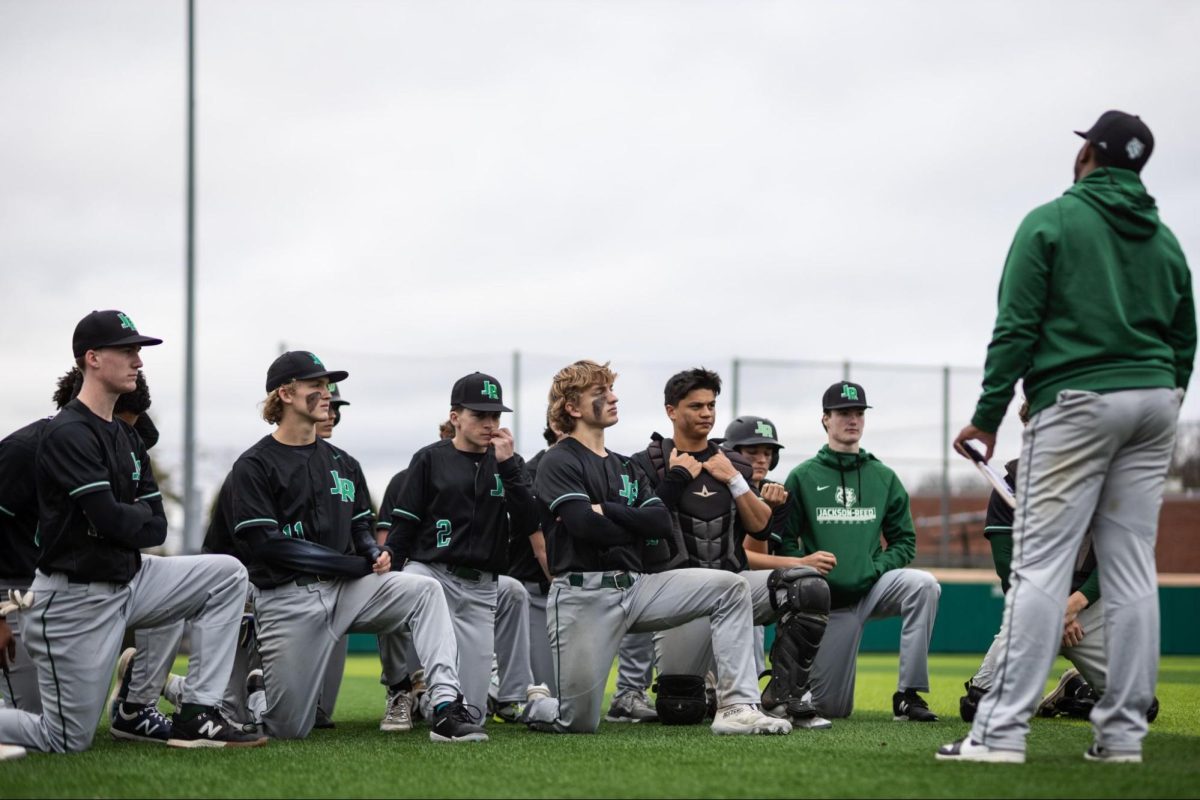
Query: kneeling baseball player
(713,509)
(316,568)
(599,515)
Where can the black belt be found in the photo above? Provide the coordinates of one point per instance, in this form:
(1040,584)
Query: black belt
(616,580)
(308,580)
(469,574)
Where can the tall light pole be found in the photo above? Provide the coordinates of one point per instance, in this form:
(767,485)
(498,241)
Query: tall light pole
(190,511)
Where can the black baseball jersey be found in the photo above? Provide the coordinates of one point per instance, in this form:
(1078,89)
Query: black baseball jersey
(705,523)
(79,454)
(999,520)
(218,539)
(18,502)
(522,563)
(390,496)
(457,508)
(570,472)
(314,493)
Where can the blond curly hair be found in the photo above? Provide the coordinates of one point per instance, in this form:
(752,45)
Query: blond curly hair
(568,386)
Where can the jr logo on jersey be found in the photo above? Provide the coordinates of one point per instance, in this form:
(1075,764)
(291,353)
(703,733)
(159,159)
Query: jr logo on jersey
(629,489)
(342,486)
(763,429)
(490,391)
(137,467)
(499,490)
(296,533)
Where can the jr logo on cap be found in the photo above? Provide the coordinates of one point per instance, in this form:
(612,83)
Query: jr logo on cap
(763,429)
(1134,148)
(849,392)
(126,322)
(490,391)
(316,360)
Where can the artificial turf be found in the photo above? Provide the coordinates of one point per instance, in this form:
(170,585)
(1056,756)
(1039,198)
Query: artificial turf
(867,755)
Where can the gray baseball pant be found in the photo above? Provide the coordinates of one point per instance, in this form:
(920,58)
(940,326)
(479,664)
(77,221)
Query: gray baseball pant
(687,649)
(1088,656)
(512,640)
(19,682)
(910,594)
(156,652)
(331,682)
(472,606)
(74,634)
(587,622)
(635,664)
(299,626)
(541,664)
(1095,461)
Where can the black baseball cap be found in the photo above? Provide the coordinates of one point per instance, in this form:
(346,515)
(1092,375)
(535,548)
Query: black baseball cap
(1123,139)
(844,394)
(109,328)
(478,392)
(336,396)
(300,365)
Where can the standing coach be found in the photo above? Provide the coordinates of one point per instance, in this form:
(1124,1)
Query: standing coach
(1096,317)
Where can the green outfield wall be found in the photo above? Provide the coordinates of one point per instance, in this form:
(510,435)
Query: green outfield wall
(969,615)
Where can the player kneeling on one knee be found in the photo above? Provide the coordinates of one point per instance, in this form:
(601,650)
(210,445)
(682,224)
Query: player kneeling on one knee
(304,524)
(599,517)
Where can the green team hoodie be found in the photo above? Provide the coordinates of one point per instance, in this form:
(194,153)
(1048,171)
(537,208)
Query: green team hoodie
(842,503)
(1095,295)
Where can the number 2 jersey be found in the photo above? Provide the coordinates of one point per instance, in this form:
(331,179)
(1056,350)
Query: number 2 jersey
(458,508)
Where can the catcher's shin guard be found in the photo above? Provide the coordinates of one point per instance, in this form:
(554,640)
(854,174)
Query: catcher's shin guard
(801,597)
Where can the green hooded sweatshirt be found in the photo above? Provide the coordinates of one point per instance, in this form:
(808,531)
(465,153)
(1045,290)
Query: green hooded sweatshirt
(842,503)
(1095,296)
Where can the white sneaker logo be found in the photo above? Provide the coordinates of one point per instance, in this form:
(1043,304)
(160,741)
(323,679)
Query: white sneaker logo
(210,729)
(1134,148)
(147,726)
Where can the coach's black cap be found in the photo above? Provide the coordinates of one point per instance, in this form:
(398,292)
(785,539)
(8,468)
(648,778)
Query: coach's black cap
(107,329)
(1123,140)
(335,396)
(478,392)
(844,394)
(300,365)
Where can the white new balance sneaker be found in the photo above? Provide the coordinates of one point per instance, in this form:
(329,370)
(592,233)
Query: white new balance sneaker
(966,749)
(745,719)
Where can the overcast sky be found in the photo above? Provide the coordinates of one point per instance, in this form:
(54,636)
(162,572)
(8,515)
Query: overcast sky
(418,189)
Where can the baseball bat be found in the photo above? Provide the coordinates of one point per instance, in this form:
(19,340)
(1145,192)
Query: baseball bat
(988,471)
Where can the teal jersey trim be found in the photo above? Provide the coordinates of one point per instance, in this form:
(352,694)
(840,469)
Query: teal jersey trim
(568,496)
(87,486)
(259,521)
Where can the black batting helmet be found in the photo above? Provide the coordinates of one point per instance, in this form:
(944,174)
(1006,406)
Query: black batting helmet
(746,431)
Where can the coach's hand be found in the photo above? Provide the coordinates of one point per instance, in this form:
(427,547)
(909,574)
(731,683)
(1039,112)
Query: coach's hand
(971,432)
(502,440)
(383,564)
(686,461)
(720,467)
(774,495)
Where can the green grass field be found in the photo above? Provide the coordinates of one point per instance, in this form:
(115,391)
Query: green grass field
(867,755)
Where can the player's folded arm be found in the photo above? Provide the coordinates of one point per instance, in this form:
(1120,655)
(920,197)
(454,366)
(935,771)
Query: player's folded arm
(649,521)
(581,522)
(263,540)
(137,525)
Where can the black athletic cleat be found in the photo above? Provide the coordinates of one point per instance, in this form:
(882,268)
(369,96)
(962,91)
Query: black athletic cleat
(140,724)
(1152,712)
(910,706)
(210,729)
(1072,697)
(457,722)
(324,721)
(968,704)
